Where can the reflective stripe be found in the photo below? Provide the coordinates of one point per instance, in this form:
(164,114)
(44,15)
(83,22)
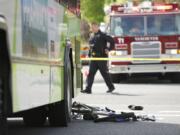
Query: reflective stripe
(46,62)
(131,59)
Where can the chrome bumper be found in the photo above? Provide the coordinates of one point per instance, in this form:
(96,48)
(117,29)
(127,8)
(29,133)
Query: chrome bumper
(150,68)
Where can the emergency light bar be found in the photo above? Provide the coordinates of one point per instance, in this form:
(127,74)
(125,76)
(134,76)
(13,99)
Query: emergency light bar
(144,8)
(164,7)
(117,8)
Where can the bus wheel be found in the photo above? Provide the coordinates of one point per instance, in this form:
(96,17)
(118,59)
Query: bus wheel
(60,113)
(35,117)
(3,123)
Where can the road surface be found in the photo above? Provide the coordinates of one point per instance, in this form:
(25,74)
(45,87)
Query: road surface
(159,98)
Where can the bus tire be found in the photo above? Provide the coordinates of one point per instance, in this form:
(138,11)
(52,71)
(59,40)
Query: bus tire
(3,122)
(60,113)
(35,117)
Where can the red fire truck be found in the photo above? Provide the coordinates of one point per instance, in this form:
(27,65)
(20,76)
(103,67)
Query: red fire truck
(147,41)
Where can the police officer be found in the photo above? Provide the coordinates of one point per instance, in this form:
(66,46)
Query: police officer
(100,48)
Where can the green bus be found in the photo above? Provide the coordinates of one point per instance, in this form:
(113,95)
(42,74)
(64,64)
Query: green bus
(40,69)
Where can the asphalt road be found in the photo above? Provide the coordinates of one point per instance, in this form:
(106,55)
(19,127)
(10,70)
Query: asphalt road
(159,98)
(90,128)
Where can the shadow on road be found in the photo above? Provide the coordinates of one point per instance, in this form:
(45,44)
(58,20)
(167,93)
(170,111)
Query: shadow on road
(80,127)
(120,94)
(148,80)
(141,80)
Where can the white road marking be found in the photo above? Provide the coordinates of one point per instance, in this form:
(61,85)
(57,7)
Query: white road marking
(169,111)
(14,119)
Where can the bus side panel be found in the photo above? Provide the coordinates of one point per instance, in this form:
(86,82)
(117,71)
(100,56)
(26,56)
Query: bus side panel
(40,39)
(31,85)
(39,22)
(57,84)
(57,32)
(37,30)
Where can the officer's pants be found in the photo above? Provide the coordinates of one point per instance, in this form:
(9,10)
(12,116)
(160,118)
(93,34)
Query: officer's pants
(102,66)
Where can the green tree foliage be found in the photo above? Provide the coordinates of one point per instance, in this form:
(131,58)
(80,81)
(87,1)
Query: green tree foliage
(93,10)
(167,1)
(110,1)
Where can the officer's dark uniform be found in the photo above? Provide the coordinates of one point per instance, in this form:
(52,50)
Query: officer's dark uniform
(99,42)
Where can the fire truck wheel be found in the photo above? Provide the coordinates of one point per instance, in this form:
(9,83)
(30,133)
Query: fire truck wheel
(115,78)
(60,113)
(3,123)
(35,117)
(175,78)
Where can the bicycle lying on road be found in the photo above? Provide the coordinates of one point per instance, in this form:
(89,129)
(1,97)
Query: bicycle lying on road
(97,114)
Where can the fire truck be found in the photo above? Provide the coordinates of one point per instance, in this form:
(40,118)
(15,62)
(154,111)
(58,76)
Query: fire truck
(147,41)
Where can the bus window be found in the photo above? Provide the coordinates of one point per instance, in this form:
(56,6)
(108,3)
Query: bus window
(35,29)
(40,28)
